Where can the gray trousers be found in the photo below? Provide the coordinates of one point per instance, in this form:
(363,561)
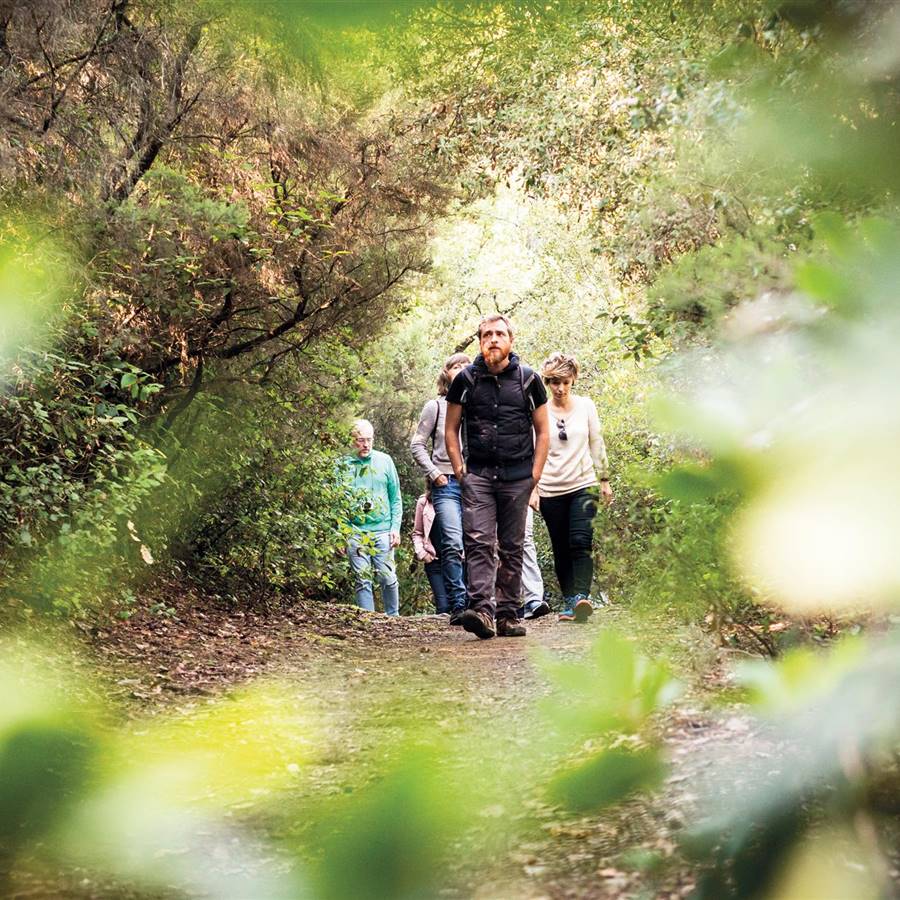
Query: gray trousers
(532,581)
(494,514)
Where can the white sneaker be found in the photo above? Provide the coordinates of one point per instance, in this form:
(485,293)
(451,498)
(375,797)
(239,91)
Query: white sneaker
(536,608)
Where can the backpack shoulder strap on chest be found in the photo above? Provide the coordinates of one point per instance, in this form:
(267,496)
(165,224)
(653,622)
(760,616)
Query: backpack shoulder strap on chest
(526,377)
(469,375)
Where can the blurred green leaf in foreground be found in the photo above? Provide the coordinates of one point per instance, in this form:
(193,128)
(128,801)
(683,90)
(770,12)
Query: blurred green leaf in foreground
(798,402)
(606,703)
(145,803)
(34,274)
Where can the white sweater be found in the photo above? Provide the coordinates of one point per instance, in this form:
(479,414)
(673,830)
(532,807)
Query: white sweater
(571,463)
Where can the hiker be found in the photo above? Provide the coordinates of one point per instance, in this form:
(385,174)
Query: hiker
(426,538)
(372,477)
(445,489)
(567,492)
(503,409)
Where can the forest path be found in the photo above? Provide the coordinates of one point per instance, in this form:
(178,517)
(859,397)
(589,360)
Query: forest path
(379,688)
(418,678)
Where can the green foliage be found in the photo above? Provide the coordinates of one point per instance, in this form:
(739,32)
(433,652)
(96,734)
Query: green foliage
(71,783)
(46,762)
(393,841)
(608,699)
(231,239)
(702,286)
(800,676)
(271,513)
(607,778)
(643,171)
(34,271)
(831,712)
(75,472)
(634,688)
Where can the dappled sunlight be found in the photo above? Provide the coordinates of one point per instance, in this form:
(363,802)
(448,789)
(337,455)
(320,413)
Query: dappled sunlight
(491,256)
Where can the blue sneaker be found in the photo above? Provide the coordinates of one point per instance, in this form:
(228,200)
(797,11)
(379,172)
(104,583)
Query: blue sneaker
(583,608)
(568,613)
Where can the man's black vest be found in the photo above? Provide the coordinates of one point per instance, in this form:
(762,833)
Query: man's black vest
(497,420)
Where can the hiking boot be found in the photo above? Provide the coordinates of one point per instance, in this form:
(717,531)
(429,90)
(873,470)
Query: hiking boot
(456,617)
(536,609)
(510,628)
(583,608)
(478,623)
(568,613)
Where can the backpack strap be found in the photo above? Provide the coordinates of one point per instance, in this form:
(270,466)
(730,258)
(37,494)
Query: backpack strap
(526,378)
(470,377)
(437,416)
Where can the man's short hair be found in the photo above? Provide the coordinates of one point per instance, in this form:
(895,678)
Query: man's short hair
(361,425)
(495,317)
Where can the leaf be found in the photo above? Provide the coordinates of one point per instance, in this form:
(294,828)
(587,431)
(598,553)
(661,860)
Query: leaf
(146,555)
(822,282)
(607,778)
(696,483)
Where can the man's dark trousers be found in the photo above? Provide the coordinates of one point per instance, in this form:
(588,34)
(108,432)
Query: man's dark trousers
(494,514)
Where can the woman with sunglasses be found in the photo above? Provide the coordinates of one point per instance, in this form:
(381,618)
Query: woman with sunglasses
(568,491)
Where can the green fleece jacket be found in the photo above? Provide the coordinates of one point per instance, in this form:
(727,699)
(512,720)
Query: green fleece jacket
(375,480)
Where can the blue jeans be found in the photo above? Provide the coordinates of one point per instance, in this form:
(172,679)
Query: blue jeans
(365,550)
(434,574)
(436,580)
(447,502)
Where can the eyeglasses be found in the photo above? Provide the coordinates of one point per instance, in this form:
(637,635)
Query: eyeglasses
(561,425)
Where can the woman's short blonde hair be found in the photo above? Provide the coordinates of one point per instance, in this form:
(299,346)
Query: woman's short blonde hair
(443,379)
(559,365)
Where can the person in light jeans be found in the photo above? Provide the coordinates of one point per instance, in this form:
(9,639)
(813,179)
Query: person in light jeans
(371,478)
(533,603)
(446,496)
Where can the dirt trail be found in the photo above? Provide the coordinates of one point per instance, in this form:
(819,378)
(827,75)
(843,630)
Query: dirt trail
(487,695)
(375,682)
